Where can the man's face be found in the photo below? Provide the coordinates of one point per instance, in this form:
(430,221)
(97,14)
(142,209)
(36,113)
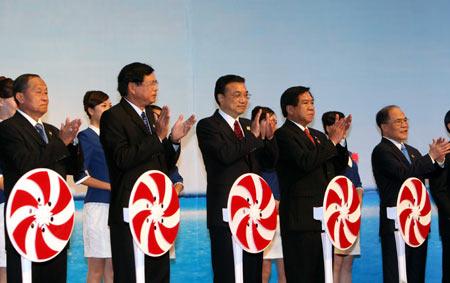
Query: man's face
(304,112)
(146,92)
(234,101)
(34,100)
(8,105)
(397,126)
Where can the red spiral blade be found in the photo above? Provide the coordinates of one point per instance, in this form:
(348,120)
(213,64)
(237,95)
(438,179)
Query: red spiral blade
(63,231)
(160,181)
(21,231)
(247,182)
(143,192)
(153,245)
(43,180)
(241,231)
(21,199)
(43,251)
(237,202)
(64,198)
(169,234)
(260,242)
(138,221)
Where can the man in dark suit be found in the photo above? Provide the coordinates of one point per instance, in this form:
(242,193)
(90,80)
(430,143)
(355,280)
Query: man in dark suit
(231,146)
(393,162)
(134,143)
(440,189)
(25,144)
(308,161)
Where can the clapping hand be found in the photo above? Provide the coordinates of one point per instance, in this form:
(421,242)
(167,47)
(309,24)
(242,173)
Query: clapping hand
(69,130)
(162,124)
(438,149)
(181,128)
(339,129)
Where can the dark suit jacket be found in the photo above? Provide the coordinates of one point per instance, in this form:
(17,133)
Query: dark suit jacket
(304,171)
(226,158)
(390,169)
(22,149)
(440,189)
(130,151)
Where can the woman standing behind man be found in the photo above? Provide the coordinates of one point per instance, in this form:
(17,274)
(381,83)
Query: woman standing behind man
(343,260)
(274,251)
(96,236)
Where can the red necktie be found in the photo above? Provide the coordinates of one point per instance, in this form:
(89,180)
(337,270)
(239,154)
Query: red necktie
(309,136)
(238,131)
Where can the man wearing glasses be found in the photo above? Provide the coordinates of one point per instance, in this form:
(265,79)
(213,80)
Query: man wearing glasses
(394,161)
(232,146)
(135,143)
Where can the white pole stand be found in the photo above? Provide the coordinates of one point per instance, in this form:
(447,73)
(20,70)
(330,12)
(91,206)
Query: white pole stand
(26,270)
(326,246)
(237,254)
(399,244)
(139,257)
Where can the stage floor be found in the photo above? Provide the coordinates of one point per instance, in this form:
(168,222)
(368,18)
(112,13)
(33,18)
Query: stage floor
(193,257)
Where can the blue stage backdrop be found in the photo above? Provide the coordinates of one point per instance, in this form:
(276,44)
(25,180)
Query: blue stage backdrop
(356,56)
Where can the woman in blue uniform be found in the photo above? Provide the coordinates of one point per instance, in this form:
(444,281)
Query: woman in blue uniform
(96,236)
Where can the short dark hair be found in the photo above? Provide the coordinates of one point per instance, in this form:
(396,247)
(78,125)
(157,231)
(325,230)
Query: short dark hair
(265,110)
(93,98)
(447,121)
(383,115)
(328,119)
(21,84)
(290,97)
(155,107)
(132,73)
(6,88)
(222,82)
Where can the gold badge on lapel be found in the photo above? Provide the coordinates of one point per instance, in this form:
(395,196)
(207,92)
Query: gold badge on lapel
(248,128)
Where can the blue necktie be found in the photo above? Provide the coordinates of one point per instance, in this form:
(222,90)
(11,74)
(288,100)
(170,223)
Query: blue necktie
(405,153)
(40,129)
(147,124)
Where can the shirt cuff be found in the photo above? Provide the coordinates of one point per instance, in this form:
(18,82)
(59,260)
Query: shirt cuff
(81,177)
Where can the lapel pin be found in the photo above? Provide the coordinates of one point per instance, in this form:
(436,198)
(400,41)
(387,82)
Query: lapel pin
(248,128)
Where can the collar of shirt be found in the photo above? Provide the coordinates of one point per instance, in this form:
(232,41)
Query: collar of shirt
(396,143)
(31,120)
(300,126)
(230,120)
(95,129)
(137,109)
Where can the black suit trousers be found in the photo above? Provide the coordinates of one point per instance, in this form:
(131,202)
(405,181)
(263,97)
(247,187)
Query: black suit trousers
(303,257)
(157,269)
(415,260)
(223,261)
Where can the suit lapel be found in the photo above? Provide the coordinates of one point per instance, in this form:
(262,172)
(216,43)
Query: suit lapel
(300,134)
(397,152)
(26,126)
(225,128)
(134,116)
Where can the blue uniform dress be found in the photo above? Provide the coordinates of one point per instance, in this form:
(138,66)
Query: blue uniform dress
(175,177)
(2,227)
(96,233)
(351,172)
(274,250)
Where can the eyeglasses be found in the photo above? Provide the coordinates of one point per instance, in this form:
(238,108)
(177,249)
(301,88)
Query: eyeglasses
(149,83)
(399,122)
(238,95)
